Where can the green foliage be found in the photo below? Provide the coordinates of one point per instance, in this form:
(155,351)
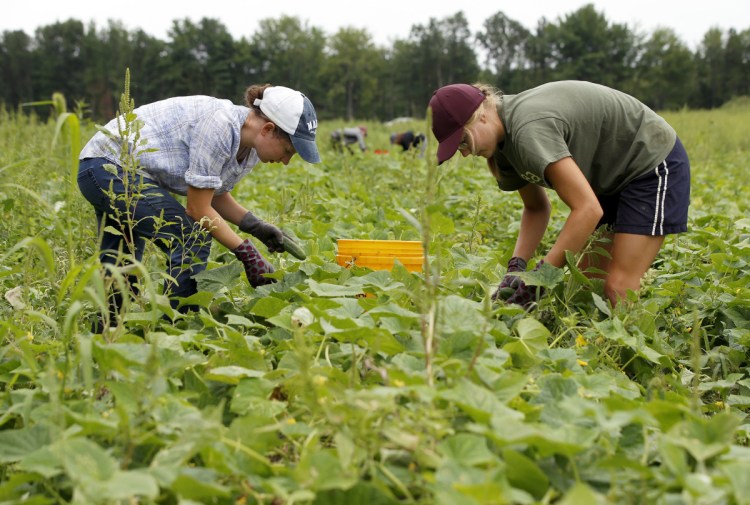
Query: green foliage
(340,385)
(347,75)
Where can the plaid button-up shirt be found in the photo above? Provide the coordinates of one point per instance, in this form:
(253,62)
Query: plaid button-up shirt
(195,140)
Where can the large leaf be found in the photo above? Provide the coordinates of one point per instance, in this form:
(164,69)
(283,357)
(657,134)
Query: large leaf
(478,402)
(218,279)
(467,449)
(97,475)
(15,444)
(532,338)
(361,493)
(546,276)
(524,474)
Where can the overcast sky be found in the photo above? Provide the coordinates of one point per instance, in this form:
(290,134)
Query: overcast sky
(385,20)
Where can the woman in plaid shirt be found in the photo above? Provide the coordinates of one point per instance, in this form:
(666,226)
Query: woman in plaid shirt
(199,147)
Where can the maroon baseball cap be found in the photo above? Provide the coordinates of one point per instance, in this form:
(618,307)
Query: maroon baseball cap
(452,106)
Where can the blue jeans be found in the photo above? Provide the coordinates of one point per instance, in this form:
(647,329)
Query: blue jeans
(154,214)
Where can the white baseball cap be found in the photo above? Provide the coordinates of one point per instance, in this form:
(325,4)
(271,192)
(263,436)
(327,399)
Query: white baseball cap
(293,112)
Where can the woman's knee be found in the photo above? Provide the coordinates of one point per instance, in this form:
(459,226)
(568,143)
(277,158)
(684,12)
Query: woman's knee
(617,285)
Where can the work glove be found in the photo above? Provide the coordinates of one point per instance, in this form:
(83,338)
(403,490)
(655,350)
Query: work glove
(267,233)
(526,295)
(255,264)
(510,282)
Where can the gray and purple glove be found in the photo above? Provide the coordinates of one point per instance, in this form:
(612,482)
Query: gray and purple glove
(255,264)
(271,236)
(526,295)
(510,282)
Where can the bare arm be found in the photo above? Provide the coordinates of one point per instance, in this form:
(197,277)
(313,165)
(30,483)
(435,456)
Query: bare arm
(534,220)
(199,208)
(585,211)
(228,208)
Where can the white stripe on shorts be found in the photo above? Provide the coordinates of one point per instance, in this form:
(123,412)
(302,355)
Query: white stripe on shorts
(661,195)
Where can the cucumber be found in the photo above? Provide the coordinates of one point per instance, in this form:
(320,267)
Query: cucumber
(504,293)
(292,247)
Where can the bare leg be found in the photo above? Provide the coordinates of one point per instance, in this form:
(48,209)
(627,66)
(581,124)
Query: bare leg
(632,255)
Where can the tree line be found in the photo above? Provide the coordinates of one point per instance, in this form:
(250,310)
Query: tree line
(348,76)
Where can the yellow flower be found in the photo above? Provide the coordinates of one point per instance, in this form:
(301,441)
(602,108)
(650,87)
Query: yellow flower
(583,363)
(580,341)
(291,420)
(320,380)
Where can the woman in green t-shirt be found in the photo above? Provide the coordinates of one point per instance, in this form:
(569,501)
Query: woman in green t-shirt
(611,160)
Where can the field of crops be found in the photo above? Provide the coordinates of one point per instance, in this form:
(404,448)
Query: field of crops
(422,391)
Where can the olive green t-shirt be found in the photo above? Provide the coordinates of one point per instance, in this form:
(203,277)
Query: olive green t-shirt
(612,136)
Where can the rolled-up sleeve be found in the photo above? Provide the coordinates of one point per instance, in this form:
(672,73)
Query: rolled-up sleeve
(210,149)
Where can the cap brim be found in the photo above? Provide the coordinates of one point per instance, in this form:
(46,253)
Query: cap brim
(448,147)
(307,149)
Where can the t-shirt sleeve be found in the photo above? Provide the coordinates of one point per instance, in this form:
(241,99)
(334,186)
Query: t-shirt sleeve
(210,148)
(539,143)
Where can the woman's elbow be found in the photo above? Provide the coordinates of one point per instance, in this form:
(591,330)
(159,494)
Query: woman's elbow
(592,210)
(540,208)
(193,212)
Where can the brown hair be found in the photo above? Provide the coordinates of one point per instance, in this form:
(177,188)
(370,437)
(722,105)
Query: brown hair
(254,92)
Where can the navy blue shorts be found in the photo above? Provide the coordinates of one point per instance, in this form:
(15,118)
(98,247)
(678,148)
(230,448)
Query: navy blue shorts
(655,203)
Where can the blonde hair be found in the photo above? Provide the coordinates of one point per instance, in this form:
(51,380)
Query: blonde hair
(493,97)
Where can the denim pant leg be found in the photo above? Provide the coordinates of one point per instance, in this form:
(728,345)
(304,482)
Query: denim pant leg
(155,215)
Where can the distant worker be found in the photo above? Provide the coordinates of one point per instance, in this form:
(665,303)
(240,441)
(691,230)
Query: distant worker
(408,140)
(344,137)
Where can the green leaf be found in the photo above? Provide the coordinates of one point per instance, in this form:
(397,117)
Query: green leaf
(738,472)
(120,357)
(567,440)
(524,474)
(581,494)
(377,339)
(467,449)
(570,260)
(269,306)
(232,374)
(123,485)
(440,223)
(601,304)
(361,493)
(217,279)
(532,338)
(546,276)
(201,299)
(478,402)
(333,290)
(705,438)
(16,444)
(320,469)
(199,484)
(459,315)
(43,461)
(85,461)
